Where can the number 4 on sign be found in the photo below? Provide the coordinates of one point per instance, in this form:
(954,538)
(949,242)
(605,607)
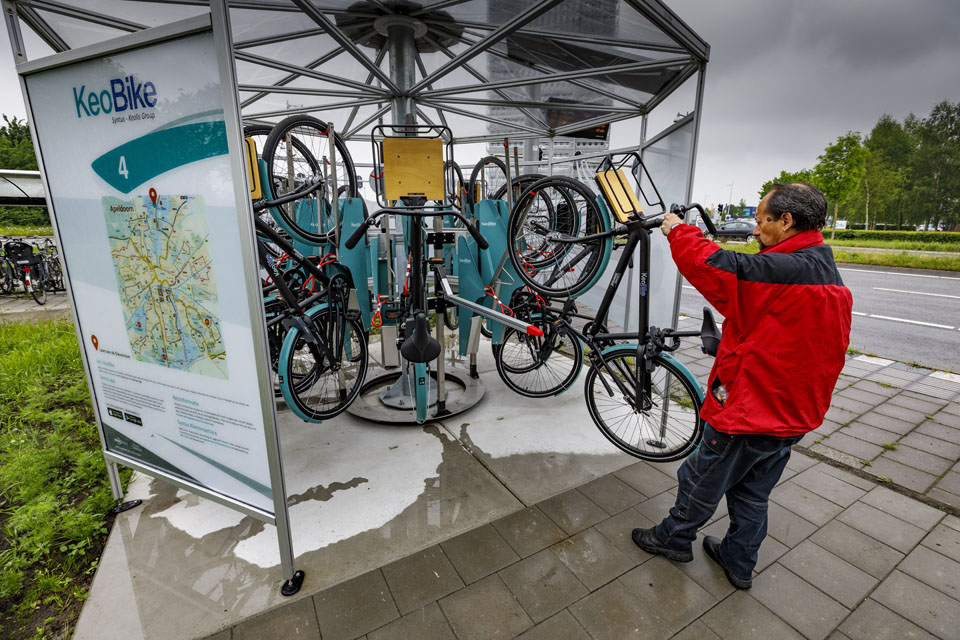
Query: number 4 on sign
(123,167)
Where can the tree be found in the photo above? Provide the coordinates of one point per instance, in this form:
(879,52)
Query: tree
(804,175)
(16,145)
(838,170)
(935,164)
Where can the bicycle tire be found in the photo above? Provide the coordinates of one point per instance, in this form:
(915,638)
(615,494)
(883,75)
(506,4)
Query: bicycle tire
(451,317)
(650,433)
(549,206)
(56,274)
(518,182)
(38,286)
(453,184)
(421,385)
(538,367)
(6,276)
(311,385)
(477,174)
(307,137)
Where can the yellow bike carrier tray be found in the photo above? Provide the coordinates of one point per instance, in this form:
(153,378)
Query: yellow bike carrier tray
(413,168)
(619,194)
(253,174)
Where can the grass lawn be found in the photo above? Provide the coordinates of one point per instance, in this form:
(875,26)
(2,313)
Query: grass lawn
(54,493)
(25,231)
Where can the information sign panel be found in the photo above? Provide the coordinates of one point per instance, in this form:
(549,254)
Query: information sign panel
(135,155)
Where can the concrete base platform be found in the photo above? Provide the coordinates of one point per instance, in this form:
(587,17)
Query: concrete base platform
(361,496)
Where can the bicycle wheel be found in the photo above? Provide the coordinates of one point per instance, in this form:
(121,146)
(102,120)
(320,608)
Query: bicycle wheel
(320,380)
(547,211)
(453,184)
(7,277)
(38,287)
(490,174)
(297,150)
(56,274)
(665,426)
(539,367)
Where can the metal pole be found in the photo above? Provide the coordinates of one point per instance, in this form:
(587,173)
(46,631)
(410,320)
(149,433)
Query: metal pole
(688,196)
(403,68)
(335,196)
(220,17)
(13,30)
(626,310)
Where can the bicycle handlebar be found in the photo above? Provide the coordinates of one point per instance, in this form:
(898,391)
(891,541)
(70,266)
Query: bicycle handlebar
(302,192)
(362,229)
(707,221)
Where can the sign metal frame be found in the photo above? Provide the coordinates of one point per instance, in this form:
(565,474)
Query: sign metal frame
(217,22)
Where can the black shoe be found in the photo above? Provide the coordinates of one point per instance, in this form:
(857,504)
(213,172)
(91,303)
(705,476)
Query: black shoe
(712,546)
(645,539)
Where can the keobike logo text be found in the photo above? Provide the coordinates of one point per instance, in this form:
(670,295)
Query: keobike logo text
(124,94)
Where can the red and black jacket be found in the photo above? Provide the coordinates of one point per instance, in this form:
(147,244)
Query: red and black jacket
(785,335)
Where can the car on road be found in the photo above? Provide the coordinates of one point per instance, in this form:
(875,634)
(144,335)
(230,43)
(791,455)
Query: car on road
(736,230)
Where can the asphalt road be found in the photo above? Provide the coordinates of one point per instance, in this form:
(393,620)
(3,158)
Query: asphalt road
(910,315)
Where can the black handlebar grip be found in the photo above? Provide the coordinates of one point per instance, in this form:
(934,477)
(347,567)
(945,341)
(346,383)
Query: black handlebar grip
(707,221)
(357,235)
(481,241)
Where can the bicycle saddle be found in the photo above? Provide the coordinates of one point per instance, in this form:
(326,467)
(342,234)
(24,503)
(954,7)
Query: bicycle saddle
(709,334)
(420,346)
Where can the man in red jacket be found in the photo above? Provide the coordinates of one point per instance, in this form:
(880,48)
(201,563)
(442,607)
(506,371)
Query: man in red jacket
(784,342)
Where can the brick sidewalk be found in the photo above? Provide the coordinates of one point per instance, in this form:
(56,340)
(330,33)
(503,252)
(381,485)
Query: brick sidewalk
(845,559)
(850,553)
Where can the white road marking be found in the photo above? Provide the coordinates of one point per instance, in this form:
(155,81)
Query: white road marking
(874,360)
(946,375)
(858,313)
(686,286)
(925,324)
(897,273)
(919,293)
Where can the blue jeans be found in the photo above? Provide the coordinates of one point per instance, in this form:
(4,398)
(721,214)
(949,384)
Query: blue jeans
(745,468)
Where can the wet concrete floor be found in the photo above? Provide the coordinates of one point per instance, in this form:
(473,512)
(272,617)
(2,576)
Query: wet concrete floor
(361,495)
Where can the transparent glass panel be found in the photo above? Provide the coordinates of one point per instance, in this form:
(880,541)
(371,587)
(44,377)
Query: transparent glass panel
(668,162)
(78,33)
(146,14)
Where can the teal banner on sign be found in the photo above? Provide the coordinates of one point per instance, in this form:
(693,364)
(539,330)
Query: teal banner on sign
(137,161)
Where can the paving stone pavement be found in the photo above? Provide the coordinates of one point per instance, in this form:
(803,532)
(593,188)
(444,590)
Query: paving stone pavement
(863,543)
(845,557)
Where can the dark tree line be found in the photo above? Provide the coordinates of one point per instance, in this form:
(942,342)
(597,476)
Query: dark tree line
(902,175)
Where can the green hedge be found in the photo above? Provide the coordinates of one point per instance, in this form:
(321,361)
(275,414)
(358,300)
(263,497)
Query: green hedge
(903,236)
(24,216)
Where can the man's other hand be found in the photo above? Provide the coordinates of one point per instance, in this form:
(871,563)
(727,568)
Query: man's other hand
(669,220)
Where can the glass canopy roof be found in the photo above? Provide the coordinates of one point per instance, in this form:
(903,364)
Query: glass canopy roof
(485,68)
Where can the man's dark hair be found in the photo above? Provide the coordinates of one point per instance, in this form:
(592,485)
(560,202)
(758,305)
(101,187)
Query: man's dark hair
(804,202)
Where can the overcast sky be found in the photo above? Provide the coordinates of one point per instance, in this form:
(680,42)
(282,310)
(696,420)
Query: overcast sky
(785,78)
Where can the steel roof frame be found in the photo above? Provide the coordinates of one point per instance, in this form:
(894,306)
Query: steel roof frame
(691,52)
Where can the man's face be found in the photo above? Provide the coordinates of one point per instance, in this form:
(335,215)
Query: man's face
(769,230)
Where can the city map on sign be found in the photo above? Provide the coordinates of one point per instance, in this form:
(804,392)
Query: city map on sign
(165,278)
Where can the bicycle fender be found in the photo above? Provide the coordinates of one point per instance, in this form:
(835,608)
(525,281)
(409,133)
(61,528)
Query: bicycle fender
(668,357)
(288,341)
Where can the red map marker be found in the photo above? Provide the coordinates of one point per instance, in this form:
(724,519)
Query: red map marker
(153,196)
(96,344)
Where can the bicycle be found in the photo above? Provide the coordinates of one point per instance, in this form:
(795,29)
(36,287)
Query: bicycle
(318,347)
(28,268)
(642,399)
